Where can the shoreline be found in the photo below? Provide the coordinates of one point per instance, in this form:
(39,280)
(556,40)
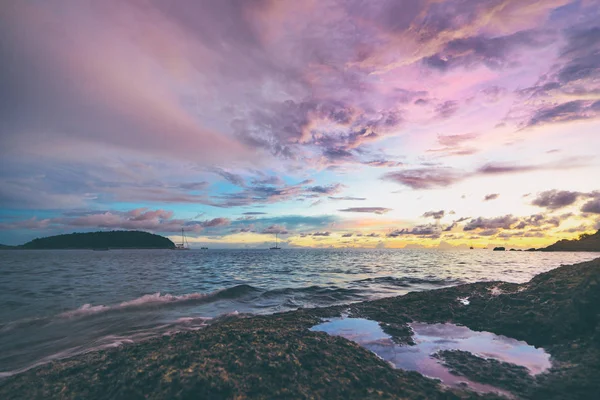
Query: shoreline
(276,355)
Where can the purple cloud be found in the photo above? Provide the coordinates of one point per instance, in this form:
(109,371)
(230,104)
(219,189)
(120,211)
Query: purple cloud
(555,199)
(425,178)
(349,198)
(492,196)
(374,210)
(504,222)
(434,214)
(592,206)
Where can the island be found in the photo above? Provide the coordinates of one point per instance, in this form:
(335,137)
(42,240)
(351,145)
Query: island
(585,242)
(100,241)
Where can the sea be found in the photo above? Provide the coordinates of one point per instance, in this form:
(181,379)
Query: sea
(59,303)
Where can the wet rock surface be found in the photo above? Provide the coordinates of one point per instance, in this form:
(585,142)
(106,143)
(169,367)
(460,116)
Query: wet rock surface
(513,378)
(278,356)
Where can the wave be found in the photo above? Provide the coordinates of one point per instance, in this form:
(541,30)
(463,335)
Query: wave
(247,293)
(158,299)
(410,281)
(315,293)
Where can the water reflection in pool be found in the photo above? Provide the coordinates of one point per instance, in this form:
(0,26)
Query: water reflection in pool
(431,338)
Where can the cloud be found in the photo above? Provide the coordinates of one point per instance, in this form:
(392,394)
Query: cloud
(454,145)
(446,109)
(266,194)
(349,198)
(565,112)
(431,231)
(229,176)
(493,52)
(136,219)
(425,178)
(275,229)
(555,199)
(383,163)
(434,214)
(328,190)
(492,196)
(215,222)
(456,140)
(321,234)
(270,180)
(538,220)
(374,210)
(504,222)
(254,213)
(592,206)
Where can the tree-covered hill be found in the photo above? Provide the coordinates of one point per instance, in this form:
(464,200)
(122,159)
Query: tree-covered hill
(102,240)
(586,242)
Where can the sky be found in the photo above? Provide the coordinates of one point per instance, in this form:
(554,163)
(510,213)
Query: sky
(416,123)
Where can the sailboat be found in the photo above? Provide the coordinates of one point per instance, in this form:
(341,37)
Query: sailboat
(276,244)
(184,245)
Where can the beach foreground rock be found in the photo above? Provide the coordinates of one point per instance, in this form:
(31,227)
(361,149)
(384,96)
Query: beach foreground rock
(278,356)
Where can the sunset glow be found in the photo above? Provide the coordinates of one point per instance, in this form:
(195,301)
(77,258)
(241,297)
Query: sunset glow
(389,124)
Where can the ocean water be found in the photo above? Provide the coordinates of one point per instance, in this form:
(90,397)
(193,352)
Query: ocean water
(58,303)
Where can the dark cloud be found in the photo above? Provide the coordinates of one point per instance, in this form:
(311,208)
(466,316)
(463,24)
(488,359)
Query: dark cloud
(270,180)
(254,213)
(538,220)
(350,198)
(439,177)
(160,221)
(494,52)
(345,235)
(575,75)
(555,199)
(383,163)
(565,112)
(592,206)
(321,234)
(246,218)
(375,210)
(275,229)
(425,178)
(492,196)
(328,190)
(446,109)
(434,214)
(215,222)
(230,177)
(504,222)
(431,231)
(194,185)
(266,194)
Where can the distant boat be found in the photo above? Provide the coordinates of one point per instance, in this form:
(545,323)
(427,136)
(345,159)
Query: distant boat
(203,248)
(276,244)
(184,245)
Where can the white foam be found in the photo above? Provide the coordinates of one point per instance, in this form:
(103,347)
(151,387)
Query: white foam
(146,299)
(158,298)
(85,309)
(464,301)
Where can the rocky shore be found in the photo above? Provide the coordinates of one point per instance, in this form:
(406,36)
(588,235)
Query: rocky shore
(278,356)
